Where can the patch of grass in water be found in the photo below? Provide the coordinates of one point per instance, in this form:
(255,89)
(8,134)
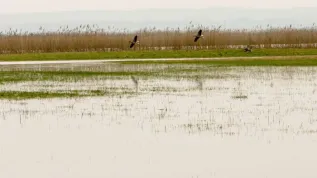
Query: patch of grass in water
(236,62)
(36,94)
(20,76)
(240,97)
(20,95)
(17,76)
(164,89)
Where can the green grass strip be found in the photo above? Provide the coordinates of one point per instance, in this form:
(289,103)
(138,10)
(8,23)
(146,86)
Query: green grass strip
(155,54)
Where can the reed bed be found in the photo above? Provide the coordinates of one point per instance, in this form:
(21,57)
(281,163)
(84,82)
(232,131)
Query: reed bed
(93,38)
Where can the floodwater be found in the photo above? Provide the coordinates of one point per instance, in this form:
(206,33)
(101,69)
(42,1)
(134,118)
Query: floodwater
(262,123)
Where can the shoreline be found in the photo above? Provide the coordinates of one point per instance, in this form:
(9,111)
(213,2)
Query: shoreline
(243,58)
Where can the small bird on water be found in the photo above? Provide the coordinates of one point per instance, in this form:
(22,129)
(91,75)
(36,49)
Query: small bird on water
(135,41)
(199,35)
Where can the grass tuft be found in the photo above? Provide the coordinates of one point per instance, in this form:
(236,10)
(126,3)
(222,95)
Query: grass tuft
(20,95)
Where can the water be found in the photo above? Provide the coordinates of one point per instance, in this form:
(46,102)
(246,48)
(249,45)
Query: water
(260,123)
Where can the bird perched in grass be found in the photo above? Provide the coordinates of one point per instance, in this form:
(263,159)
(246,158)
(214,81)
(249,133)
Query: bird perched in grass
(199,35)
(135,41)
(248,49)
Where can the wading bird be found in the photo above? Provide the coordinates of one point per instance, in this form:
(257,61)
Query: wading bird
(136,83)
(135,41)
(248,49)
(199,35)
(199,83)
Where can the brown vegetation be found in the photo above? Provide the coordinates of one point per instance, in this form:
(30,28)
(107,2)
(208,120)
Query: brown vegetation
(92,38)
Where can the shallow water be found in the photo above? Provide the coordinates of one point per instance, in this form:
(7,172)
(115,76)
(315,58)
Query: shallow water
(260,123)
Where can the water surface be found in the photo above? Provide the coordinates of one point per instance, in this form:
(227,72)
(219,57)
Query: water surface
(261,122)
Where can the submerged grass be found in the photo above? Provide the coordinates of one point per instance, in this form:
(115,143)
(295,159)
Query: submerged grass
(16,76)
(37,94)
(155,54)
(20,95)
(177,69)
(172,69)
(236,62)
(192,72)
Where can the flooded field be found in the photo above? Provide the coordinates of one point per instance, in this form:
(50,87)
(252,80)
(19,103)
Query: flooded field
(153,121)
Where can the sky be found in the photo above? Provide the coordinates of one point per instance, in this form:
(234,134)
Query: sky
(22,6)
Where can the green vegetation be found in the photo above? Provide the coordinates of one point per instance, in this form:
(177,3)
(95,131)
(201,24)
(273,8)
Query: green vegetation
(19,95)
(194,70)
(237,62)
(38,94)
(18,76)
(175,69)
(155,54)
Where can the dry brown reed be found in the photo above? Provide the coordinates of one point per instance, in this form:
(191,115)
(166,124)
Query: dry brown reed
(93,38)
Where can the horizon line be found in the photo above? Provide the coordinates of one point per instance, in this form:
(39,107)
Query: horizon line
(151,9)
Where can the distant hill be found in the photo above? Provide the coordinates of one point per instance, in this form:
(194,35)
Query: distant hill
(162,18)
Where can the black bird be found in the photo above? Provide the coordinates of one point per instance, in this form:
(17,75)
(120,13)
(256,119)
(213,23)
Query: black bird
(135,41)
(199,35)
(248,49)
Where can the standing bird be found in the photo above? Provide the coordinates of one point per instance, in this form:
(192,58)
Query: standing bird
(136,83)
(199,35)
(199,83)
(248,49)
(135,41)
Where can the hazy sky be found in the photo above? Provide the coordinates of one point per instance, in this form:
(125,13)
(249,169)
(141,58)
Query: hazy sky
(16,6)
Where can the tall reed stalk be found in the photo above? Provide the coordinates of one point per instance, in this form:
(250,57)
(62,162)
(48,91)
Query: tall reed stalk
(93,38)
